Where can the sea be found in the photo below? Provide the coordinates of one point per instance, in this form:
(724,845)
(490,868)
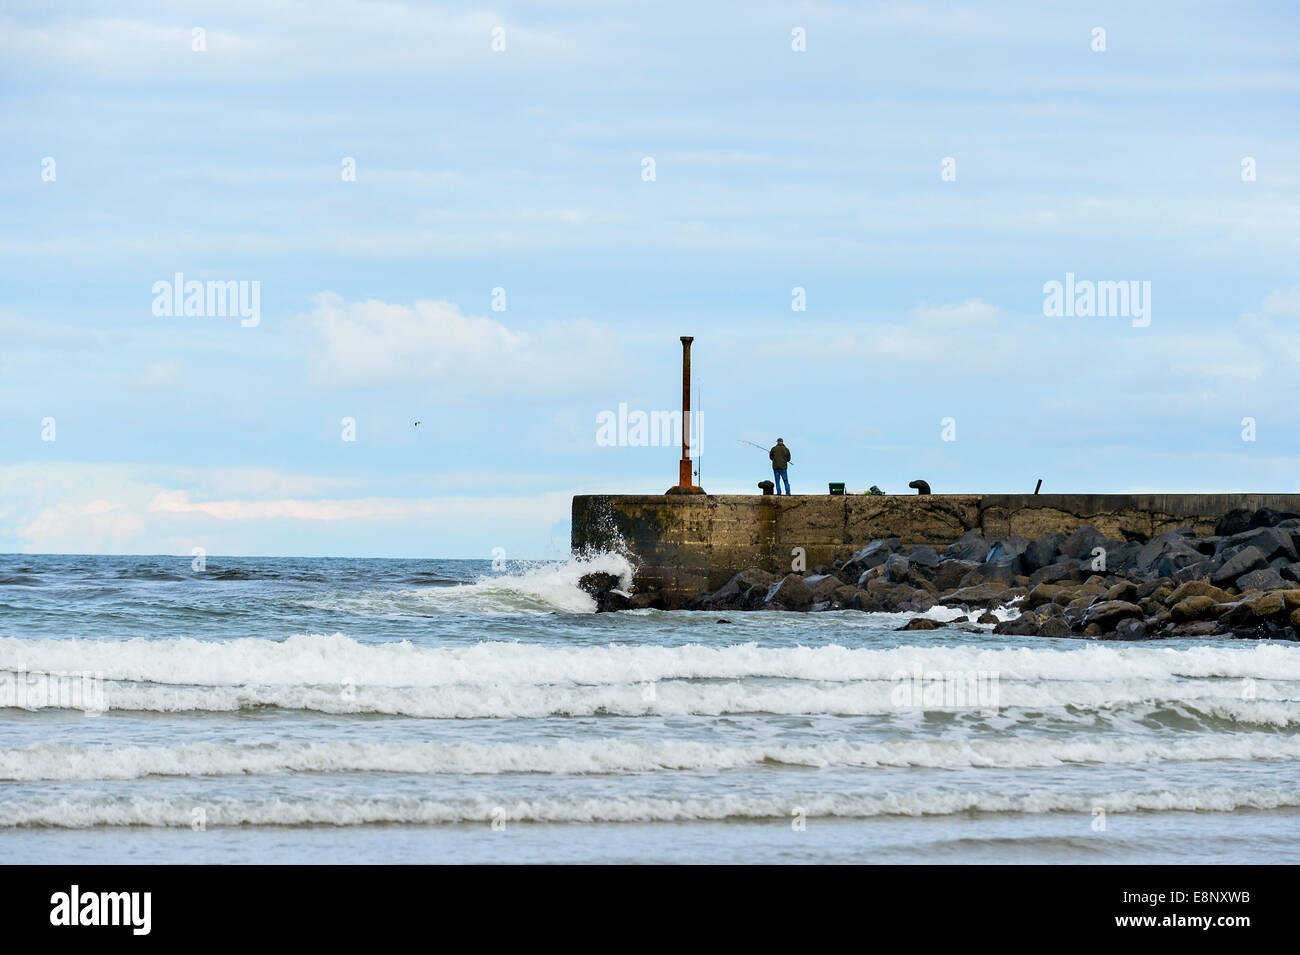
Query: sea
(333,711)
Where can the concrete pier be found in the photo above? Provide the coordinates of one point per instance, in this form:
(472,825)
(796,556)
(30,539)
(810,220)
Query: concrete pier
(690,544)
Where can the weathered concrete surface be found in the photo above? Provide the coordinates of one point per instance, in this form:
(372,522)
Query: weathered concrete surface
(687,545)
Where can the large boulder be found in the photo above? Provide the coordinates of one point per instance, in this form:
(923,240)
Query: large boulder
(1272,542)
(923,556)
(605,588)
(1129,628)
(1107,613)
(1163,546)
(1267,517)
(1026,625)
(1192,608)
(1265,579)
(1042,552)
(1063,570)
(1121,556)
(920,623)
(1054,627)
(898,568)
(970,546)
(823,587)
(1197,588)
(1081,543)
(1011,550)
(1234,522)
(867,602)
(981,595)
(951,571)
(735,593)
(1000,572)
(874,554)
(1242,562)
(791,592)
(1201,570)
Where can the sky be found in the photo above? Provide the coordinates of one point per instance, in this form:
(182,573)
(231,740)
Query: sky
(498,221)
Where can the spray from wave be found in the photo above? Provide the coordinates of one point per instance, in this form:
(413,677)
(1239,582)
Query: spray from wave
(541,588)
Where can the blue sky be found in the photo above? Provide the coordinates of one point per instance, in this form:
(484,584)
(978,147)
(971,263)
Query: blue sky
(522,169)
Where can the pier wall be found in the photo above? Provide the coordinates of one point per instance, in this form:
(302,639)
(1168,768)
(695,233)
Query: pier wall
(686,545)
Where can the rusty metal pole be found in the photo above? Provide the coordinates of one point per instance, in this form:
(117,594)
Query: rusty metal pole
(685,476)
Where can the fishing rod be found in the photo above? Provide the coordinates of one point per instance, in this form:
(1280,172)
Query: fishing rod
(751,443)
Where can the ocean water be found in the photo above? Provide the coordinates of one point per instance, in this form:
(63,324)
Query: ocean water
(334,711)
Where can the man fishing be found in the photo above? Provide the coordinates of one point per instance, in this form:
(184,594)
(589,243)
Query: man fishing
(780,456)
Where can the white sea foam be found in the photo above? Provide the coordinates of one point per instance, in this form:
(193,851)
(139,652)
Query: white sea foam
(334,674)
(306,660)
(542,588)
(177,811)
(66,761)
(1198,701)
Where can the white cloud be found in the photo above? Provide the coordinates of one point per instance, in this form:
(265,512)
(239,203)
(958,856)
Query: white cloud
(1284,302)
(93,526)
(465,358)
(159,374)
(355,509)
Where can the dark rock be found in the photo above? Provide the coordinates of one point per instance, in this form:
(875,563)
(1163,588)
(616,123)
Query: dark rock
(1265,579)
(1080,544)
(1130,629)
(987,617)
(599,582)
(1243,562)
(874,554)
(1170,542)
(1023,626)
(823,586)
(1004,550)
(920,623)
(1234,522)
(866,601)
(1054,627)
(1201,570)
(1197,588)
(734,594)
(1043,594)
(1125,590)
(981,595)
(970,546)
(1056,573)
(1192,608)
(1042,552)
(897,568)
(1001,572)
(1267,517)
(952,571)
(790,593)
(1175,559)
(1107,613)
(1271,542)
(613,600)
(924,556)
